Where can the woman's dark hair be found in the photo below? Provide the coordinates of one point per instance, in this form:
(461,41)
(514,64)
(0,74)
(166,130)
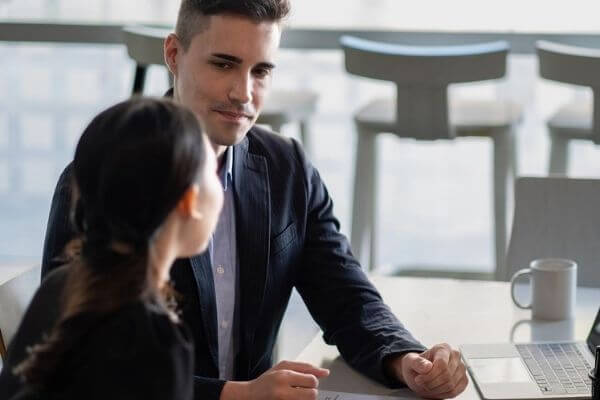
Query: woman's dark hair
(189,19)
(132,165)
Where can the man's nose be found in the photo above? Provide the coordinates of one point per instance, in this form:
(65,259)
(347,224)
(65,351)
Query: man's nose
(241,90)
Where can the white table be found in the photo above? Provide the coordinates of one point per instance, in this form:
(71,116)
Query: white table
(317,24)
(456,312)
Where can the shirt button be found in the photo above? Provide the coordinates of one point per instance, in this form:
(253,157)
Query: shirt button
(220,270)
(224,324)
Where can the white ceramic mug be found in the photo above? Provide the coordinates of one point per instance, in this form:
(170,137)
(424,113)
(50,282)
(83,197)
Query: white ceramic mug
(553,284)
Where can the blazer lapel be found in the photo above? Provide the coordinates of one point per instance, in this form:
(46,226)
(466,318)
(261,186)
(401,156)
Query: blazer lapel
(253,226)
(202,268)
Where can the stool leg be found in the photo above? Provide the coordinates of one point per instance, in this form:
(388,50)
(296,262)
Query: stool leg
(305,134)
(559,154)
(503,150)
(139,79)
(514,154)
(364,224)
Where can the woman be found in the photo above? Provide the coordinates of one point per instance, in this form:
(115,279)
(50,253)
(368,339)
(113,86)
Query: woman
(147,193)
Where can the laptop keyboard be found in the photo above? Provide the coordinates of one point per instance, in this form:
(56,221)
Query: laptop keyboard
(558,368)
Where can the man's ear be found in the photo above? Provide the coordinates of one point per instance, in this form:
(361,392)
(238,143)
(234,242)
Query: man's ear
(188,204)
(172,47)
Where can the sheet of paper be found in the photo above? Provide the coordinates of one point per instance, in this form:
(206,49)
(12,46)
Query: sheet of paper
(327,395)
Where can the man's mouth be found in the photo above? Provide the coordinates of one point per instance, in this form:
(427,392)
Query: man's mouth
(233,115)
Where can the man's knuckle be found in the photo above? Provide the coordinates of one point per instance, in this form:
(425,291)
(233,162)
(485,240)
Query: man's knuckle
(457,378)
(281,377)
(442,366)
(314,381)
(279,393)
(280,365)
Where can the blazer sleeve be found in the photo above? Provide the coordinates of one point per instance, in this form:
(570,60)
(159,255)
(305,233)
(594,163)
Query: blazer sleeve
(338,294)
(207,388)
(59,230)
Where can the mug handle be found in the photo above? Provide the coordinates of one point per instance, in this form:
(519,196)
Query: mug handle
(513,280)
(515,326)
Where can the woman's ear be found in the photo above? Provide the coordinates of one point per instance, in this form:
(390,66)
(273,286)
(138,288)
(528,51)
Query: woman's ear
(188,204)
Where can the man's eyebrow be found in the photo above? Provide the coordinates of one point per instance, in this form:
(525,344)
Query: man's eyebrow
(237,60)
(228,57)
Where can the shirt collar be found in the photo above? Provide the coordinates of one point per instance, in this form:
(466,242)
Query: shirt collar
(226,170)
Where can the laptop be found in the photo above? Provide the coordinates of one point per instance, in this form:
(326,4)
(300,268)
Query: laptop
(540,370)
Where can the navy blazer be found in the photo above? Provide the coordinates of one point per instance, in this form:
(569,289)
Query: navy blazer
(287,236)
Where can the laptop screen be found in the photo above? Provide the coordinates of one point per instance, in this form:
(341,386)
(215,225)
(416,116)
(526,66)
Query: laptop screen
(593,338)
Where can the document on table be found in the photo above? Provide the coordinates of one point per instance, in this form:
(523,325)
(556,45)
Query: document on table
(327,395)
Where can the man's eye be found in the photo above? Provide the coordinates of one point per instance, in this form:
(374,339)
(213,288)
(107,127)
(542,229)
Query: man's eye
(262,72)
(222,65)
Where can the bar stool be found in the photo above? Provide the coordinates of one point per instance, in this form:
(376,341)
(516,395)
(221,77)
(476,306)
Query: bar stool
(145,47)
(421,111)
(289,106)
(578,119)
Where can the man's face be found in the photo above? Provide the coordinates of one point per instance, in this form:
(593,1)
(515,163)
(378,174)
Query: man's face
(225,73)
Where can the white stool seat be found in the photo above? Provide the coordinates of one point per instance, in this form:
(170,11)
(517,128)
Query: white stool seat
(289,105)
(467,117)
(573,120)
(286,106)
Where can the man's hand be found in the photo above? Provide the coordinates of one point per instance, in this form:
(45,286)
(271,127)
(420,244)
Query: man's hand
(286,380)
(437,373)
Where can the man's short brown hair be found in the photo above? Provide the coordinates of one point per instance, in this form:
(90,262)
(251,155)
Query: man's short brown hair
(191,13)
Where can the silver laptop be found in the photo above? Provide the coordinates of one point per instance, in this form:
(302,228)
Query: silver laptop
(543,370)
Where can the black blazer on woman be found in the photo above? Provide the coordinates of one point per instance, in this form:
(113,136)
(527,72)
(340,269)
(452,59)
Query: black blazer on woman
(137,352)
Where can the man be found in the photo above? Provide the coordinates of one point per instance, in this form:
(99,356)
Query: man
(277,231)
